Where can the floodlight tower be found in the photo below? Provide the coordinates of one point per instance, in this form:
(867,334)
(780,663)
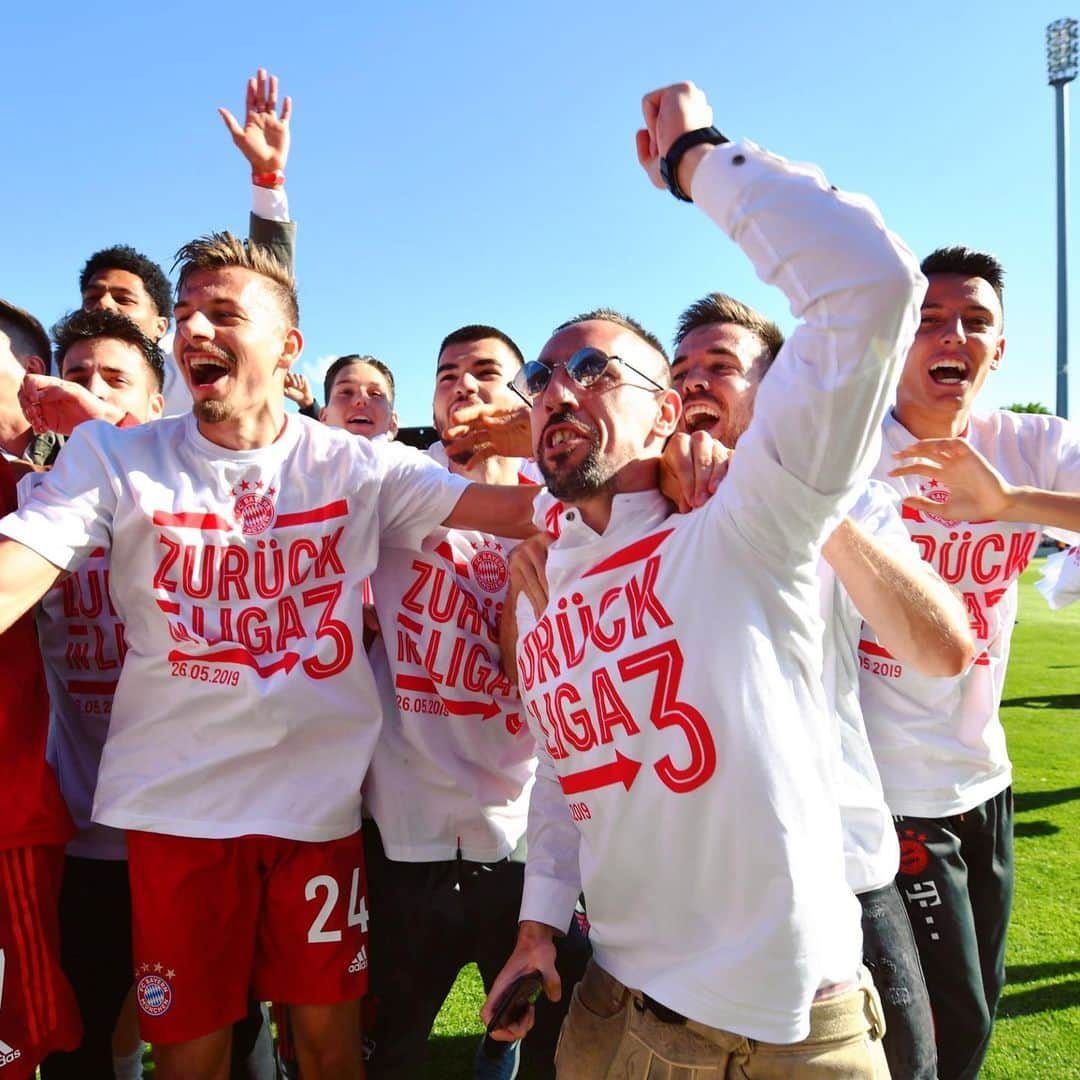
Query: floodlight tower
(1061,41)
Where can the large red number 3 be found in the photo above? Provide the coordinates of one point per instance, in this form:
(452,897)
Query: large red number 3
(666,662)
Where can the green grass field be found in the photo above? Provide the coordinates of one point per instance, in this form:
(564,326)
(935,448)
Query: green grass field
(1037,1036)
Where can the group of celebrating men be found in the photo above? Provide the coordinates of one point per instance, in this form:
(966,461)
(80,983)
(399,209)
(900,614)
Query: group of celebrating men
(675,681)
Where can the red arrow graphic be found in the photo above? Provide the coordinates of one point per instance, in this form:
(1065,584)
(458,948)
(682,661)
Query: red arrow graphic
(622,770)
(240,656)
(484,709)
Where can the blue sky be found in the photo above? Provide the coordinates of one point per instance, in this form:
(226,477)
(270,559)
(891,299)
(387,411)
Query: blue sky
(475,162)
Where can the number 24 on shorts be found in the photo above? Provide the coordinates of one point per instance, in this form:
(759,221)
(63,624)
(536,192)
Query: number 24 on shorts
(356,914)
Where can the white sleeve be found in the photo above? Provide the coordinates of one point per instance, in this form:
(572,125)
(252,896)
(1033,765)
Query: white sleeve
(271,204)
(552,870)
(416,494)
(70,510)
(877,512)
(856,289)
(1065,458)
(1060,581)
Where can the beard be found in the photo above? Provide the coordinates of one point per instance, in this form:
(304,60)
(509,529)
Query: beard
(589,477)
(212,412)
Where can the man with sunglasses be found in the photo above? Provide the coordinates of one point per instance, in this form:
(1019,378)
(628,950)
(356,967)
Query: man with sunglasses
(678,712)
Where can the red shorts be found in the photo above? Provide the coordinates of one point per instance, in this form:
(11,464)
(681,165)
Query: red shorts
(38,1013)
(217,922)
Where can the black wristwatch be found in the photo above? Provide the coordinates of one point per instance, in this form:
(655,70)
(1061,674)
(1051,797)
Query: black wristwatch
(669,163)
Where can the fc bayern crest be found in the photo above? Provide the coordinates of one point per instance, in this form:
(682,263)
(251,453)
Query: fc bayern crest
(254,509)
(155,995)
(489,569)
(939,494)
(914,857)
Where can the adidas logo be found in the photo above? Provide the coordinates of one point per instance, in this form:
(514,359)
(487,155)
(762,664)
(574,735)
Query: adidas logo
(8,1054)
(359,962)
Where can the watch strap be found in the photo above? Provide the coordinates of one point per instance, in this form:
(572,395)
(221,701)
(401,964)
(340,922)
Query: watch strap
(669,163)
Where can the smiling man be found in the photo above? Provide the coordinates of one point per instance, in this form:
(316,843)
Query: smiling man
(977,489)
(665,730)
(245,712)
(359,394)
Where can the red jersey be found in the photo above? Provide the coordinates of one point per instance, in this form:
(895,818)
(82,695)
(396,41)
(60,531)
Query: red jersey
(32,810)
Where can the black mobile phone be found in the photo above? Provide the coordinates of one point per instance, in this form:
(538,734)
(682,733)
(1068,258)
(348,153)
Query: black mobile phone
(520,994)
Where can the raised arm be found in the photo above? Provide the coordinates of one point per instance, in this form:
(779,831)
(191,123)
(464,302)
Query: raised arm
(264,140)
(854,286)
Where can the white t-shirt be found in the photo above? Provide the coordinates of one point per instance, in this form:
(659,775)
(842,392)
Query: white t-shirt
(939,743)
(82,645)
(245,703)
(871,850)
(1060,581)
(673,684)
(454,763)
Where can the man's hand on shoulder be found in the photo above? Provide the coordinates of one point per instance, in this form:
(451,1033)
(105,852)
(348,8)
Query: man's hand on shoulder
(52,404)
(670,112)
(691,469)
(264,137)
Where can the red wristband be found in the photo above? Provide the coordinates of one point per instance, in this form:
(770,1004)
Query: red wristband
(273,179)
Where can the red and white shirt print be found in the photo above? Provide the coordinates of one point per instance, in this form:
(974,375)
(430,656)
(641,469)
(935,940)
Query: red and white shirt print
(245,703)
(455,761)
(686,758)
(939,742)
(82,644)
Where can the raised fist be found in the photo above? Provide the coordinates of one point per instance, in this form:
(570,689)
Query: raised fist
(670,112)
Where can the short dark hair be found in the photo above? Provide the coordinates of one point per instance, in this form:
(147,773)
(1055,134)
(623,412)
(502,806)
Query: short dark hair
(124,257)
(102,323)
(343,362)
(610,315)
(222,250)
(28,337)
(970,263)
(719,308)
(465,335)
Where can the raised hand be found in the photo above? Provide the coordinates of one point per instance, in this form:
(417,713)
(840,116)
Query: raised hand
(670,112)
(298,389)
(264,138)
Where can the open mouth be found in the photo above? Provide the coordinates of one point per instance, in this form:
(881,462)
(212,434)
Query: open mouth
(561,440)
(206,370)
(949,372)
(700,416)
(360,423)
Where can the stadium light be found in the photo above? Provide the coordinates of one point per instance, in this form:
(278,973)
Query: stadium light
(1061,52)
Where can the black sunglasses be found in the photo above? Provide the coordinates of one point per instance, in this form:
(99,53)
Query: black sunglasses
(585,367)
